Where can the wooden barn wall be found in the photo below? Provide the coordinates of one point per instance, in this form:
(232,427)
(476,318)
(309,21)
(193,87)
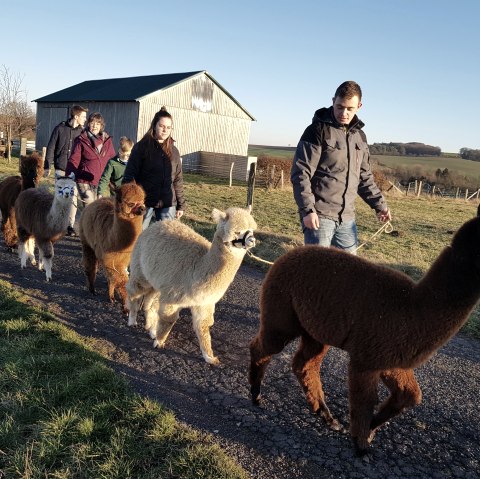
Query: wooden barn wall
(120,119)
(225,129)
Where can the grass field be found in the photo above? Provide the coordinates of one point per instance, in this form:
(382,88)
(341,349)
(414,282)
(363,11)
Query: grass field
(425,163)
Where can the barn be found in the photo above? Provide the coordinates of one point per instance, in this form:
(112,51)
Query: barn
(211,128)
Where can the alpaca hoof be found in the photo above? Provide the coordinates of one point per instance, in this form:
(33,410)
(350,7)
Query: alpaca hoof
(212,360)
(158,344)
(336,426)
(152,332)
(132,321)
(361,446)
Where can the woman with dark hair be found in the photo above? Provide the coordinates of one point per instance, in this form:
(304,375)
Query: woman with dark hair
(155,165)
(91,151)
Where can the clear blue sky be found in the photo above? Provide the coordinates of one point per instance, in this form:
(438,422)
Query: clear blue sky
(417,61)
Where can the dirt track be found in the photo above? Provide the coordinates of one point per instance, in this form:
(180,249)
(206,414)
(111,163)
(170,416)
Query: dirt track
(280,440)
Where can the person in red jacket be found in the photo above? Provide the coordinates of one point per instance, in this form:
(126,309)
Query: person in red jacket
(91,151)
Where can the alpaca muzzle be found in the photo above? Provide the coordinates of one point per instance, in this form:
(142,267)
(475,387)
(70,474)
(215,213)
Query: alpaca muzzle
(139,209)
(246,241)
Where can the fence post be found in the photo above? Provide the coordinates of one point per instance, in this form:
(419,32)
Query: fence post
(433,190)
(466,194)
(416,186)
(419,190)
(456,194)
(251,184)
(281,179)
(231,172)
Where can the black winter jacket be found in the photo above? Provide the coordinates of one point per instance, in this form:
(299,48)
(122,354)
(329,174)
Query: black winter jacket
(331,166)
(60,145)
(159,176)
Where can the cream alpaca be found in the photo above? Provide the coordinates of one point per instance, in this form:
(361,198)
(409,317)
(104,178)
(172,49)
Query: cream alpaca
(43,218)
(385,321)
(173,267)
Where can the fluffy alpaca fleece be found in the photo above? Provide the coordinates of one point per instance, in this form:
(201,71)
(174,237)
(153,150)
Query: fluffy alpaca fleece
(31,171)
(173,267)
(43,218)
(108,230)
(385,321)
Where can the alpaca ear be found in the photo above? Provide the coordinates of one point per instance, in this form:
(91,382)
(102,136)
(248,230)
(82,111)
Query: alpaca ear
(57,176)
(218,215)
(72,176)
(249,209)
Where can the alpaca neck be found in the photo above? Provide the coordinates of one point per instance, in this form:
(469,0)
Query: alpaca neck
(127,230)
(444,298)
(220,264)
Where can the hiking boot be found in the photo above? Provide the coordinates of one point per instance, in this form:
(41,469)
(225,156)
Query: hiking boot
(71,231)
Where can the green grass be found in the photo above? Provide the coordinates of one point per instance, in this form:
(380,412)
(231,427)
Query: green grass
(65,414)
(460,166)
(425,164)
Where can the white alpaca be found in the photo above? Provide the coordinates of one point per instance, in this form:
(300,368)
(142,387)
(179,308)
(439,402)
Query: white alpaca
(173,267)
(43,218)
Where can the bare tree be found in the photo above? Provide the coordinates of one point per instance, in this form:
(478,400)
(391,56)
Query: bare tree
(15,113)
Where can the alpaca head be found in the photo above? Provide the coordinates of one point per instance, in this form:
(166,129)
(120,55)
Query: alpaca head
(65,188)
(235,227)
(130,200)
(31,169)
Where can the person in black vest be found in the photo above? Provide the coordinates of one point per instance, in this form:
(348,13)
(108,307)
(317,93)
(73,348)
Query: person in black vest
(155,164)
(330,167)
(59,149)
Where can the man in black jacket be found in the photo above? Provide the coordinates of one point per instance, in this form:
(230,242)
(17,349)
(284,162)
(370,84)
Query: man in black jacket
(59,149)
(331,166)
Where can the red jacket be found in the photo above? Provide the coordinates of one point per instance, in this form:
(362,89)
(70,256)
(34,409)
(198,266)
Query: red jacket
(86,162)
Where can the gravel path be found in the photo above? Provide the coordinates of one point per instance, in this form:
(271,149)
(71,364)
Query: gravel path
(281,439)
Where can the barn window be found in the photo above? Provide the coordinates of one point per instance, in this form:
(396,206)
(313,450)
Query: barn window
(202,94)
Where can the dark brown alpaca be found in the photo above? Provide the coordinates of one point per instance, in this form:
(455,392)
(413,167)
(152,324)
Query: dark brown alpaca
(108,230)
(385,321)
(31,171)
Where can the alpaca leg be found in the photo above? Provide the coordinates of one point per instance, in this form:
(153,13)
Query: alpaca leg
(90,266)
(167,317)
(362,392)
(22,254)
(265,344)
(46,251)
(405,393)
(202,317)
(30,250)
(151,305)
(135,291)
(117,280)
(306,366)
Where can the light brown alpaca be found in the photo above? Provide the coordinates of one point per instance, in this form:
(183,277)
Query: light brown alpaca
(43,218)
(31,171)
(108,230)
(385,321)
(173,267)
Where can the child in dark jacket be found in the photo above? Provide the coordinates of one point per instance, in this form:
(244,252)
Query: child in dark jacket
(113,174)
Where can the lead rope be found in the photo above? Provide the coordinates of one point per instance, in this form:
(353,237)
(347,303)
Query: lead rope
(386,228)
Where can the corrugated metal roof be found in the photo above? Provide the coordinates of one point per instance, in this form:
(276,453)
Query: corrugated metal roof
(125,89)
(116,89)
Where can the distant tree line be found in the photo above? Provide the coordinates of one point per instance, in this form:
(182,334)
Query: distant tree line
(404,149)
(469,154)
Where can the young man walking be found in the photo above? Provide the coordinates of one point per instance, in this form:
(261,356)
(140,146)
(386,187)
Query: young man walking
(331,166)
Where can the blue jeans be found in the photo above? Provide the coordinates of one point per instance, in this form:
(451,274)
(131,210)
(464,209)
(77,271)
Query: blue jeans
(162,214)
(332,233)
(158,214)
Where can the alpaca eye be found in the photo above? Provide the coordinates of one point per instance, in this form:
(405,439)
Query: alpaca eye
(130,205)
